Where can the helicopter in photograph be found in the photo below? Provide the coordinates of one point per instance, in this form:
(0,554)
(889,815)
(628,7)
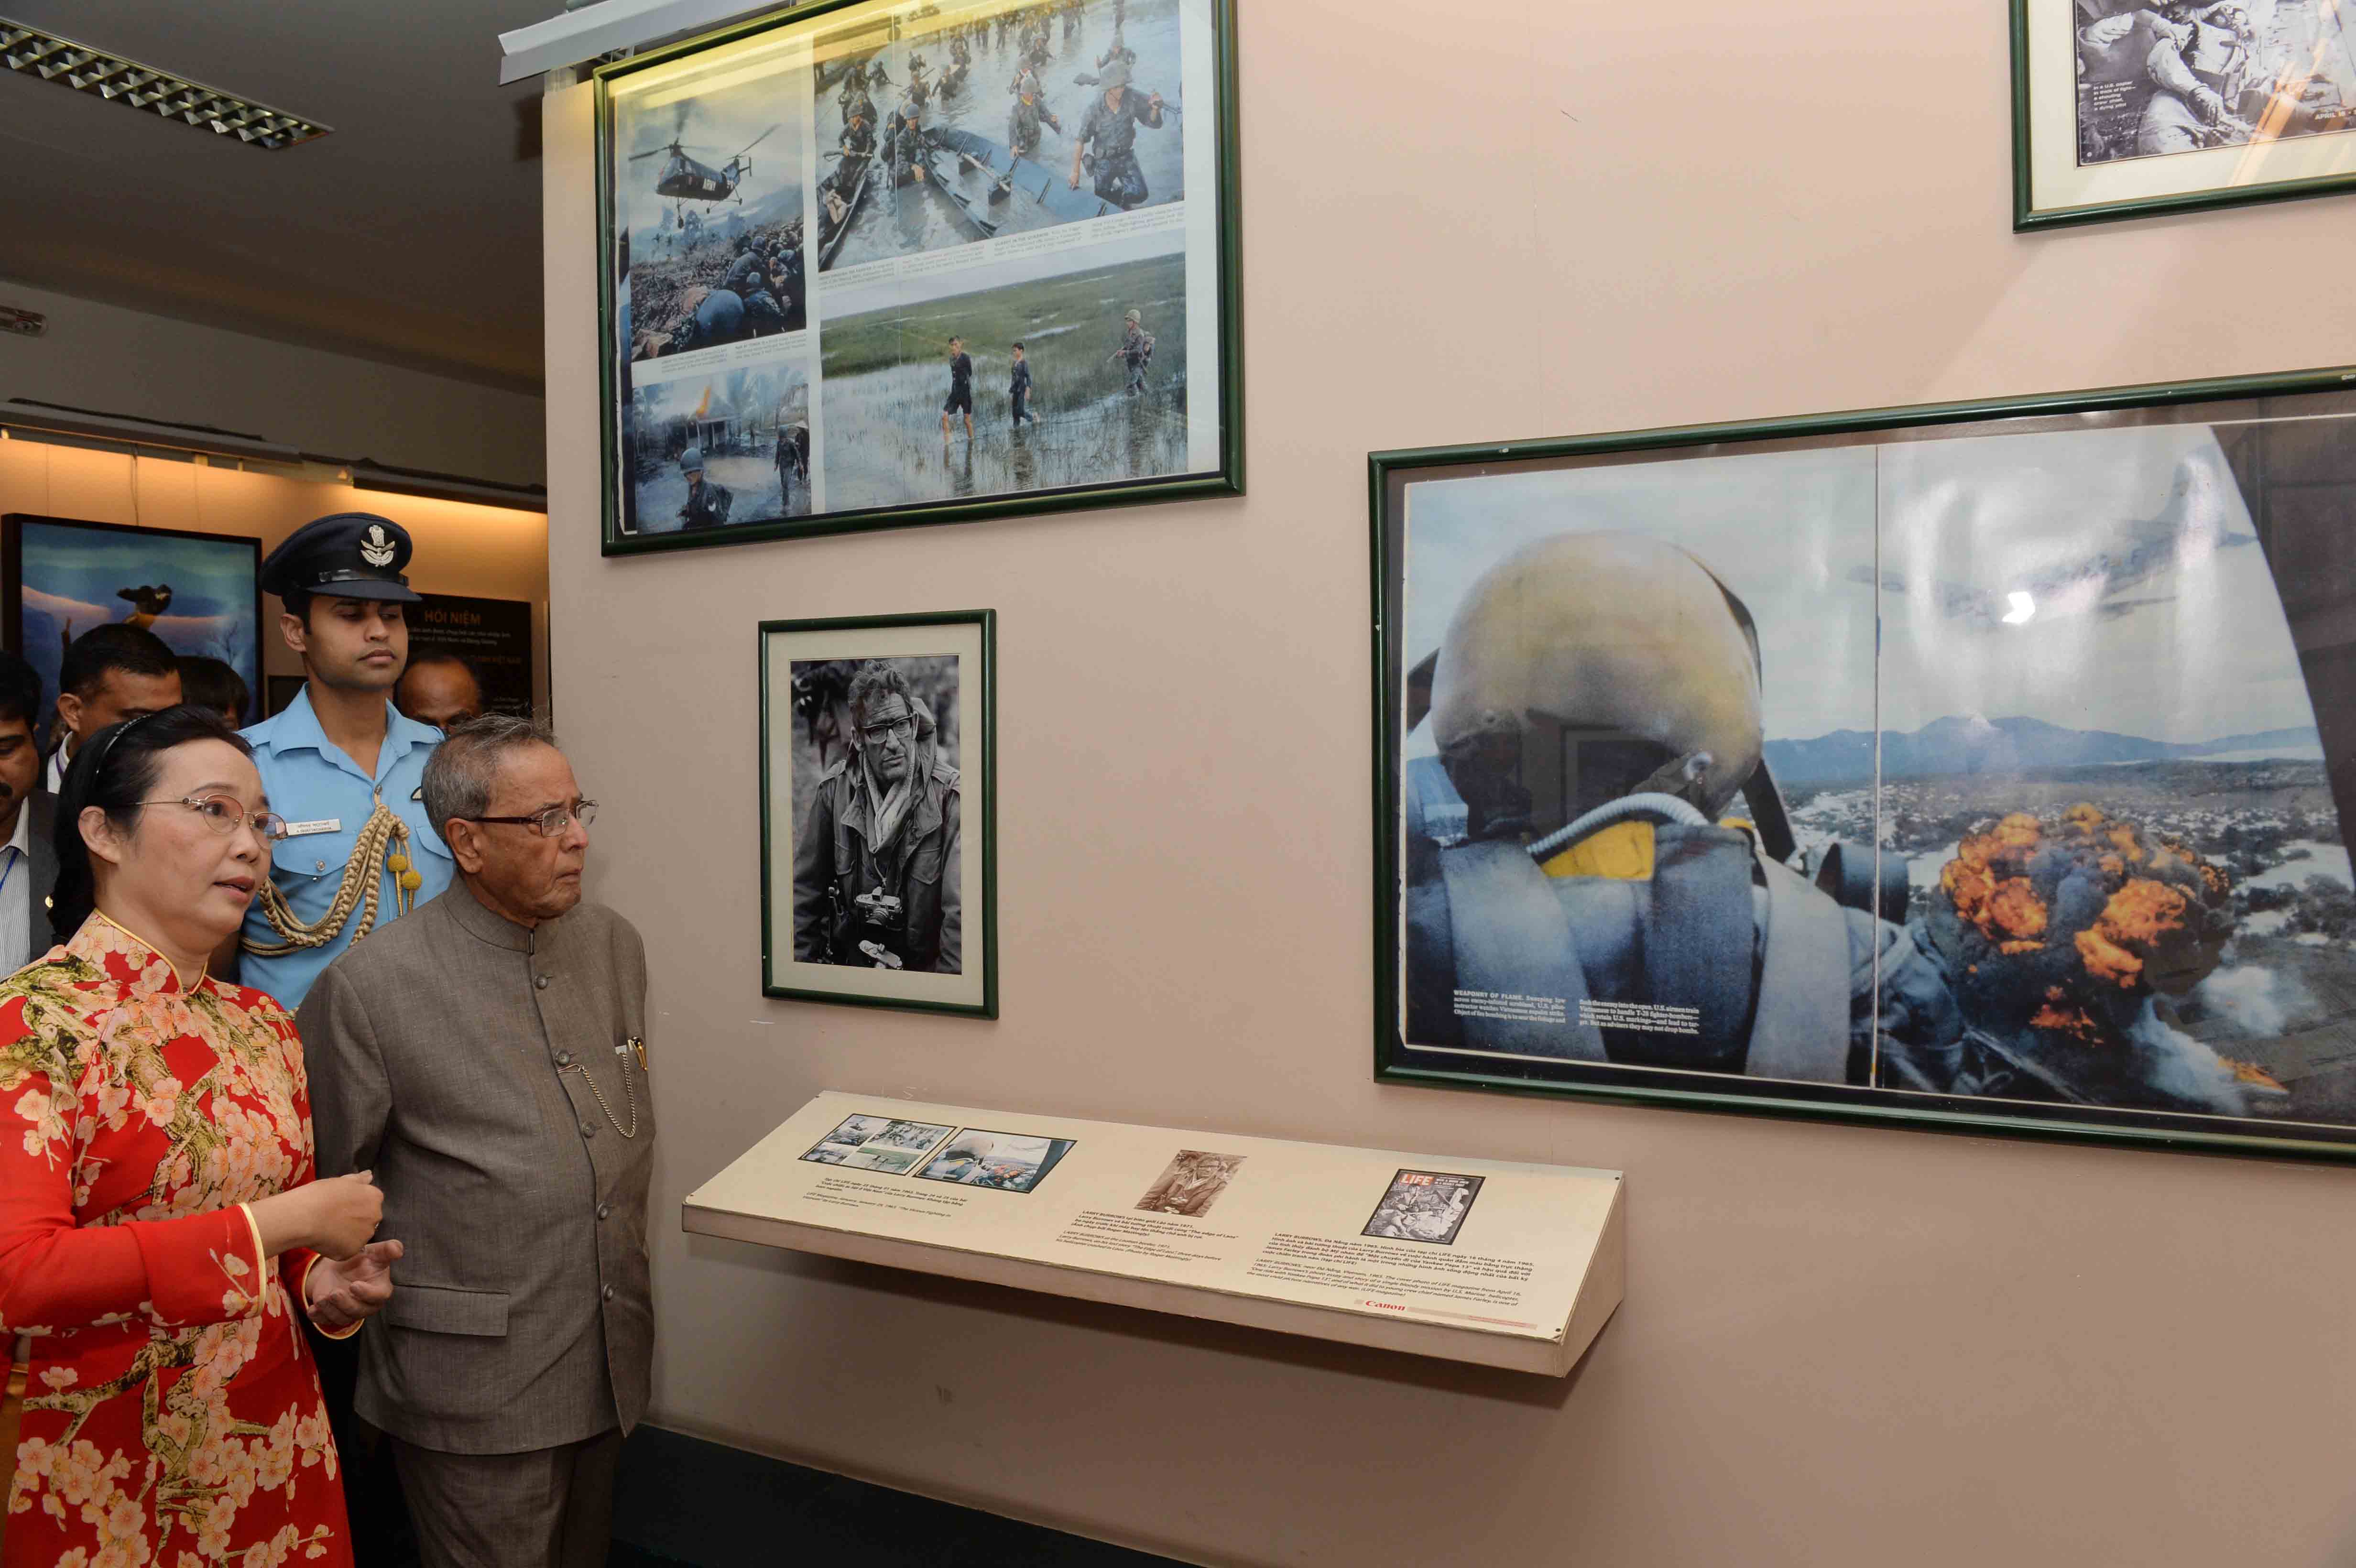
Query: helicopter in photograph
(684,180)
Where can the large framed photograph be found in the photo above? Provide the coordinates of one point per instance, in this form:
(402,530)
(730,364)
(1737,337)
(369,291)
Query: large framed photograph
(201,593)
(2125,108)
(868,263)
(878,811)
(1982,766)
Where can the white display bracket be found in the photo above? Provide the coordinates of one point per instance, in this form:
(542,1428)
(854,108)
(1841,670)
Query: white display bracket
(1494,1264)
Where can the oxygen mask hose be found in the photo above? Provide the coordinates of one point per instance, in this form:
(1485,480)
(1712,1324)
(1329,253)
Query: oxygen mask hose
(1645,804)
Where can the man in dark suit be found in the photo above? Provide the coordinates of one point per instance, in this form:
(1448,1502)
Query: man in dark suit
(28,856)
(486,1057)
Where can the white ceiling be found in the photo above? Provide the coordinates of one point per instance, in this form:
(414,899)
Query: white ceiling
(411,235)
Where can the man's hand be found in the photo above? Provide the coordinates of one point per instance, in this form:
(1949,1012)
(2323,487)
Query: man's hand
(343,1294)
(1156,104)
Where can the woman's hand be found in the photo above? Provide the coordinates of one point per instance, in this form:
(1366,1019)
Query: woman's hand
(335,1217)
(343,1294)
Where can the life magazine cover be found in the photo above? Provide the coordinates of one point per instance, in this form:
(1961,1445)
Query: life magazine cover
(1424,1206)
(2068,845)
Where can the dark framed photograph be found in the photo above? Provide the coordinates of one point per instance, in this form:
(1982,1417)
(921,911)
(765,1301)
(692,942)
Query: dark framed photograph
(201,593)
(870,263)
(2123,108)
(878,811)
(1980,766)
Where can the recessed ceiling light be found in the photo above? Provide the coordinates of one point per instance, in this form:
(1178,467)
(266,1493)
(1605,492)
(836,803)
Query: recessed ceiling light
(119,81)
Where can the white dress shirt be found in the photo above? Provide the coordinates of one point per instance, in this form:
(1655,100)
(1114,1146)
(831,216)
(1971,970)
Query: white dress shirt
(17,948)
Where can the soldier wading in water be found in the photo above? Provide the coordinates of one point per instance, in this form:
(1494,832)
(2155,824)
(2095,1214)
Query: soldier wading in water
(1107,138)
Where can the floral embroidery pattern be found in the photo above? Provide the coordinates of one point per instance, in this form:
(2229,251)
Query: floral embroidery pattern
(172,1418)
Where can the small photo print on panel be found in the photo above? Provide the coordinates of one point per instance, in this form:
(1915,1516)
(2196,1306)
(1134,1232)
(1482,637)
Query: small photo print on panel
(1010,1162)
(915,1137)
(857,1130)
(843,1142)
(1191,1183)
(1424,1206)
(890,1161)
(877,1143)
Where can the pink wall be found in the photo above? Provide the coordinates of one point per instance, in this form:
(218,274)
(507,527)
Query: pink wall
(1839,1346)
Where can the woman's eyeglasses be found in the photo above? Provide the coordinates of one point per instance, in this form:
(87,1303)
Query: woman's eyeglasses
(225,814)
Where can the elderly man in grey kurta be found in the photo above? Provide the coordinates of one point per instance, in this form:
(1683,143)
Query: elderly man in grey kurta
(485,1057)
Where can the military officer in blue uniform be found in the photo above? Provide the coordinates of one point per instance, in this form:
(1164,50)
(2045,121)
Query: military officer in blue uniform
(341,764)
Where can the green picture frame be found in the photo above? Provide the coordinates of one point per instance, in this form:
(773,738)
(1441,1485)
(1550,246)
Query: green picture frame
(2283,448)
(2089,147)
(1179,438)
(928,941)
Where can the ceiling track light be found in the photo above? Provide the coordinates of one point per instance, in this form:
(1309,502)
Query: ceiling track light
(159,92)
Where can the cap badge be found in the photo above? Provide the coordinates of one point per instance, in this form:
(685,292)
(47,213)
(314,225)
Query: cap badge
(376,550)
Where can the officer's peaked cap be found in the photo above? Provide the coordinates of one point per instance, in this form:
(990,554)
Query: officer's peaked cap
(348,555)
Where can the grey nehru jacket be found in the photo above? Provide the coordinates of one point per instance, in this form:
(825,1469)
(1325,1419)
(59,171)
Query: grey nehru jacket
(445,1054)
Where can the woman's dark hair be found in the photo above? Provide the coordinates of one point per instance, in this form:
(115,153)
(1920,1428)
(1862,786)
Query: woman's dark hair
(115,769)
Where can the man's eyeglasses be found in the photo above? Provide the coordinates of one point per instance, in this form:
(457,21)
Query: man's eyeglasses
(898,729)
(225,814)
(548,823)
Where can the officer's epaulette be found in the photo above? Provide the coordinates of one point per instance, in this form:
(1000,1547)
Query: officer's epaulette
(834,769)
(945,774)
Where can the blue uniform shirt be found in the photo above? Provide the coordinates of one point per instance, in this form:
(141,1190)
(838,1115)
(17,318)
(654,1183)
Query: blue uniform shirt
(312,784)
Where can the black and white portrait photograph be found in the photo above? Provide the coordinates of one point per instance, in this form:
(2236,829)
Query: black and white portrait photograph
(1191,1183)
(876,810)
(878,825)
(1424,1206)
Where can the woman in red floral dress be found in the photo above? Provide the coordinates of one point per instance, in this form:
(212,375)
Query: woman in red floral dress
(158,1219)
